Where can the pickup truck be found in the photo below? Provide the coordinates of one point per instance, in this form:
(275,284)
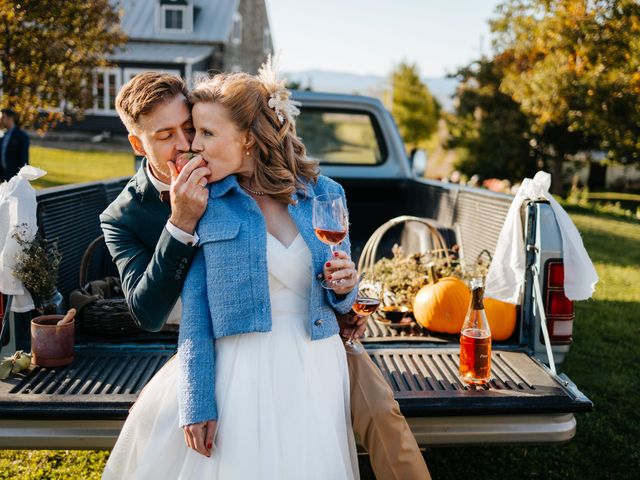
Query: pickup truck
(83,405)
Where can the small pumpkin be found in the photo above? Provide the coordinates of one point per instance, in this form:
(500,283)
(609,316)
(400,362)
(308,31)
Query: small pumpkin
(442,306)
(502,318)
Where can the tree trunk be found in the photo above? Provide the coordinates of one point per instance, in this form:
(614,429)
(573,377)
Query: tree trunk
(597,176)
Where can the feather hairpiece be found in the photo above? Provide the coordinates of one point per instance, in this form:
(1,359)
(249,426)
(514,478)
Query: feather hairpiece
(279,100)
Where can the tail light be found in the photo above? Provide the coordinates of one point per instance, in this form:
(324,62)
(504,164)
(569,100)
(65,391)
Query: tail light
(558,308)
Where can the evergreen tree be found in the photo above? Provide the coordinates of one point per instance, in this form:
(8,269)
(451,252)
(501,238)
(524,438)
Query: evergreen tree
(416,112)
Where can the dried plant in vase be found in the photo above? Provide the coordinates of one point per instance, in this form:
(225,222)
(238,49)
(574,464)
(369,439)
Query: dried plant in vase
(402,276)
(37,267)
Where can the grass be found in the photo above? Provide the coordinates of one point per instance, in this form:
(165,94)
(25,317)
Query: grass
(614,196)
(73,166)
(602,363)
(52,464)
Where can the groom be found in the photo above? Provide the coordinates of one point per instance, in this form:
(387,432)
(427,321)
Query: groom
(150,232)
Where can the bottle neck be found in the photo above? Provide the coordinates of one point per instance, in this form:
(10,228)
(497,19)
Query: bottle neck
(476,302)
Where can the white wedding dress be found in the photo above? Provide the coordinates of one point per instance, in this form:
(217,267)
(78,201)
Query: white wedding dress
(283,400)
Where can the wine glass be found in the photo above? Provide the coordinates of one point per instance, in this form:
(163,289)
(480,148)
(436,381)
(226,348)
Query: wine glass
(367,301)
(330,223)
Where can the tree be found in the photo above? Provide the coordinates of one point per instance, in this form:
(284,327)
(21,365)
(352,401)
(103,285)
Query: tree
(297,85)
(573,65)
(490,126)
(48,53)
(416,112)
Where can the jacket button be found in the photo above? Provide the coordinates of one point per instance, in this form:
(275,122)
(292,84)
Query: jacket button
(177,277)
(318,322)
(184,260)
(320,276)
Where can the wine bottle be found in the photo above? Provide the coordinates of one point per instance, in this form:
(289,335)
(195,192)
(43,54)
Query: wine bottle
(475,340)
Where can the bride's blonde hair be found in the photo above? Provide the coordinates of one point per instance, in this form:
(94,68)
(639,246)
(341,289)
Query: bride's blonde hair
(282,167)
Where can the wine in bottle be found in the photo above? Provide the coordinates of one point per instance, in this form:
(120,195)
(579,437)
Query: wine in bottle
(475,340)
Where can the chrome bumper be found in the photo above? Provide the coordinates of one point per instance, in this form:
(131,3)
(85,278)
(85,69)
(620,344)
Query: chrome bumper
(97,435)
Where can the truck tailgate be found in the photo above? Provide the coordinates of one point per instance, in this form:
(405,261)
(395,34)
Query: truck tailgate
(425,383)
(84,404)
(101,384)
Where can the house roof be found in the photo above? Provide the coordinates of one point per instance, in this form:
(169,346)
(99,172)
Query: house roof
(212,20)
(142,52)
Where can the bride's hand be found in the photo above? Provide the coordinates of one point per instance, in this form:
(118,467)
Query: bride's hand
(199,436)
(340,267)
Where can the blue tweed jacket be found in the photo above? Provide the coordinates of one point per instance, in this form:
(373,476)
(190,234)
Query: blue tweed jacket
(227,288)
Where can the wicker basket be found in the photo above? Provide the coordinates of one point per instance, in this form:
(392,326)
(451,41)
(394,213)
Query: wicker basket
(370,250)
(102,308)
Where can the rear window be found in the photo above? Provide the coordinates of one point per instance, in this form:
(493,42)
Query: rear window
(341,137)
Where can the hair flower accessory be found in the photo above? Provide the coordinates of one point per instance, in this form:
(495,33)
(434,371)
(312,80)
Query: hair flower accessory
(279,100)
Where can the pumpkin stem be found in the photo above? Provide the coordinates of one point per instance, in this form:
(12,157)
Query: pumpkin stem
(432,275)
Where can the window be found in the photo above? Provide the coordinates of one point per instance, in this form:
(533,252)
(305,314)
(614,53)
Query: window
(266,41)
(173,18)
(341,137)
(106,85)
(236,29)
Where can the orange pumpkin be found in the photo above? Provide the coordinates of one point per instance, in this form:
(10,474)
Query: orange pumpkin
(442,306)
(502,318)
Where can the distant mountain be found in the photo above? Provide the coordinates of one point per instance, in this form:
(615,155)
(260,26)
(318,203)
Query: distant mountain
(441,88)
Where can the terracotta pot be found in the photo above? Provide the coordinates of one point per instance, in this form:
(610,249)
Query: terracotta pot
(51,344)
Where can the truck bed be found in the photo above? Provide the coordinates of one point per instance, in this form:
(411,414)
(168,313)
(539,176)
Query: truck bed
(84,405)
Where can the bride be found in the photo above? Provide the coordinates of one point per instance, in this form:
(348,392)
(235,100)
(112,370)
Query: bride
(260,386)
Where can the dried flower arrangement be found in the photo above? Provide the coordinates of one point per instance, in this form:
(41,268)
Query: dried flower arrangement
(37,264)
(403,275)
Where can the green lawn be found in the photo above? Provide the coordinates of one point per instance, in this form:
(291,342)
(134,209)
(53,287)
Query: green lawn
(614,196)
(602,360)
(73,166)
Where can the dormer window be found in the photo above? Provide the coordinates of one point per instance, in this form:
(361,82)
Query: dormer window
(236,29)
(175,16)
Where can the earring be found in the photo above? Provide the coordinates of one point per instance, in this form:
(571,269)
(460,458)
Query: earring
(248,153)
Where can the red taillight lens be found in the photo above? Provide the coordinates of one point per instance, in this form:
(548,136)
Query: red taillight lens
(558,307)
(555,275)
(558,304)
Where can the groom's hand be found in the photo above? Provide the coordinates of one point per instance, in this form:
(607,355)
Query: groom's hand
(188,193)
(351,325)
(199,436)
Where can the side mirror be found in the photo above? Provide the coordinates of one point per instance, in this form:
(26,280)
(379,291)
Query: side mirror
(418,162)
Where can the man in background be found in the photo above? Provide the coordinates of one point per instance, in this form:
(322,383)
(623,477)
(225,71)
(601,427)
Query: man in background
(14,145)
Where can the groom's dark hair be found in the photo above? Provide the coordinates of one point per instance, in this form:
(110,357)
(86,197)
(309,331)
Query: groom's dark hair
(143,93)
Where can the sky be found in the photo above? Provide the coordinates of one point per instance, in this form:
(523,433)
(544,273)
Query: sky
(371,36)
